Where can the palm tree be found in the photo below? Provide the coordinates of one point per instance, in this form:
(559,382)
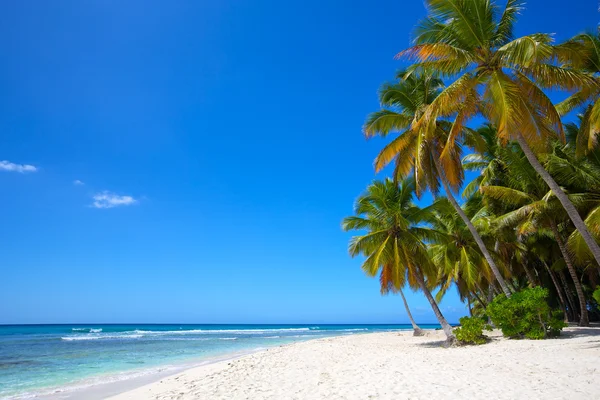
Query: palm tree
(497,76)
(393,244)
(418,150)
(387,286)
(531,209)
(455,253)
(582,52)
(581,174)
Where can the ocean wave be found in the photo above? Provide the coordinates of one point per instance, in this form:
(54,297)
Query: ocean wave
(98,337)
(90,330)
(271,337)
(219,331)
(97,334)
(353,330)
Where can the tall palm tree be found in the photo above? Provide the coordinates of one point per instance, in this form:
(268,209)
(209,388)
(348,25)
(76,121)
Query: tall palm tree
(581,174)
(497,76)
(393,244)
(532,208)
(417,150)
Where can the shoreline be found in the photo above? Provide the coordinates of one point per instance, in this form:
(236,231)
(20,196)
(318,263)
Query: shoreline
(394,365)
(111,384)
(136,379)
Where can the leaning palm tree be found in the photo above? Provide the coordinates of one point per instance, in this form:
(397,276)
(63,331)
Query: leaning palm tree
(531,208)
(581,174)
(417,150)
(393,244)
(390,284)
(497,76)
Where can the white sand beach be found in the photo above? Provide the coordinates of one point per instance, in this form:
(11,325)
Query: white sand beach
(397,366)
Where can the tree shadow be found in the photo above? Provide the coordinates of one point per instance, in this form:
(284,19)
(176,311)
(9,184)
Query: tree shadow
(433,344)
(576,331)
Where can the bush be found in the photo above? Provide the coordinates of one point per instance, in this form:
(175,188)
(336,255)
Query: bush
(526,314)
(470,330)
(597,296)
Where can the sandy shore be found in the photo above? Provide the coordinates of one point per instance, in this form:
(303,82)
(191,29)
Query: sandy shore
(397,366)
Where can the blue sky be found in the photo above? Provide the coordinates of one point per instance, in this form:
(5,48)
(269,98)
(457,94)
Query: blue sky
(193,159)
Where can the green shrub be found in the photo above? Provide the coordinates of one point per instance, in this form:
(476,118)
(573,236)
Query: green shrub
(526,314)
(597,295)
(470,330)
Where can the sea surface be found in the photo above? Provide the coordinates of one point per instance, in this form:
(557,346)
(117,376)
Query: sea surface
(45,359)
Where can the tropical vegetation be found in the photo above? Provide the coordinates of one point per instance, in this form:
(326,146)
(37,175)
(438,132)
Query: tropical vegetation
(515,174)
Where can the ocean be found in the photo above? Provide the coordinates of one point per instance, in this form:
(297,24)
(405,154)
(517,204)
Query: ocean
(42,360)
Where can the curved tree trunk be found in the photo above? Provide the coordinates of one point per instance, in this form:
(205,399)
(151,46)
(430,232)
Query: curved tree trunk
(569,295)
(472,229)
(561,299)
(480,300)
(416,330)
(436,310)
(490,298)
(562,197)
(530,275)
(469,306)
(583,321)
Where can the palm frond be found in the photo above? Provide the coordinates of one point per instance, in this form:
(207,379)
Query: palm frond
(504,32)
(385,121)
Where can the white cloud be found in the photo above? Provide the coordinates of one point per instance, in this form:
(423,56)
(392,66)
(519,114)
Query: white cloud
(21,168)
(77,182)
(107,199)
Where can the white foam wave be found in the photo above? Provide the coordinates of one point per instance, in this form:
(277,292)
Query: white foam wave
(353,330)
(72,338)
(219,331)
(97,337)
(271,337)
(97,334)
(90,330)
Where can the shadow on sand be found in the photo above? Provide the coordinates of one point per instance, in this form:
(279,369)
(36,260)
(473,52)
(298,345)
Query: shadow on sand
(574,331)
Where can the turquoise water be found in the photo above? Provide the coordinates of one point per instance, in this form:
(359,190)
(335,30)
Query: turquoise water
(37,359)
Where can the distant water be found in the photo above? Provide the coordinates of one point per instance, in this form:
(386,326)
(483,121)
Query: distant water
(39,359)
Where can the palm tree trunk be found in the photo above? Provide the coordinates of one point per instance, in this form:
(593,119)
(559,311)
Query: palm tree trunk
(480,300)
(490,298)
(583,321)
(562,197)
(561,299)
(416,330)
(472,229)
(572,304)
(436,310)
(530,276)
(469,306)
(512,286)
